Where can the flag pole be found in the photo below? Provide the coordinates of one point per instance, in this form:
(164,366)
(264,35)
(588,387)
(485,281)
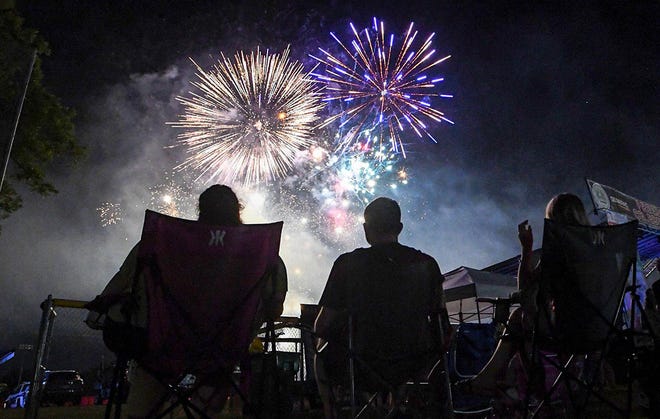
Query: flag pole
(18,117)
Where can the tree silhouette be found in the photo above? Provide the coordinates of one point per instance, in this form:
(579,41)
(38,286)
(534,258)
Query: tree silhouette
(45,133)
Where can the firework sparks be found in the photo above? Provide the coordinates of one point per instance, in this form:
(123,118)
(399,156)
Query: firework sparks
(330,189)
(173,197)
(381,87)
(109,213)
(361,170)
(253,114)
(366,169)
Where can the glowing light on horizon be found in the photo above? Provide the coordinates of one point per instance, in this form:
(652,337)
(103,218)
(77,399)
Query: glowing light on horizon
(253,114)
(381,87)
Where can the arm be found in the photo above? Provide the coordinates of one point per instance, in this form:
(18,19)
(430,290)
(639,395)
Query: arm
(440,319)
(325,325)
(526,267)
(442,329)
(276,292)
(114,292)
(330,320)
(122,281)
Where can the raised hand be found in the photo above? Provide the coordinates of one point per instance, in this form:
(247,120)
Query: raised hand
(525,236)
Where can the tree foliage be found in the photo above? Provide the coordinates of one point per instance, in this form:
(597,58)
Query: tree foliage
(45,133)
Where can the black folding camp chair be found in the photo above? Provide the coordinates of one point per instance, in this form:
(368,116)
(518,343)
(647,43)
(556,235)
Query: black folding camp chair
(203,285)
(393,349)
(414,384)
(584,272)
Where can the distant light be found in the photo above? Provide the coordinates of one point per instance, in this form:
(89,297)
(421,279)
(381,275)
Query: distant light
(7,357)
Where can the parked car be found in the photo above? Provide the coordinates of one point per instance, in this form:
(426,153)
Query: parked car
(18,397)
(62,387)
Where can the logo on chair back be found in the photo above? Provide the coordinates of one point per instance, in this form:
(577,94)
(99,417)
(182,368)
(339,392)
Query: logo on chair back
(598,238)
(217,237)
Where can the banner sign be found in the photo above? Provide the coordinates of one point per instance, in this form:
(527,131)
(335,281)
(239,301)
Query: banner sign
(610,200)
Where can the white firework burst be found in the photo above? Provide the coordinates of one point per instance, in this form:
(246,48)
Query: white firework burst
(251,116)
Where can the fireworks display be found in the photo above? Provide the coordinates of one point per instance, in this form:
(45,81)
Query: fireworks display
(381,89)
(357,173)
(253,114)
(109,213)
(254,123)
(362,171)
(173,197)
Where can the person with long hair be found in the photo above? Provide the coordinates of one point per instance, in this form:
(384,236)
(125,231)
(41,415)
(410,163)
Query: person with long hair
(564,208)
(218,205)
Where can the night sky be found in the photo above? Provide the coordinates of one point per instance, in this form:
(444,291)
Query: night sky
(544,96)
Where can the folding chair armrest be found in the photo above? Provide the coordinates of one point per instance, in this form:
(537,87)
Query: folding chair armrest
(102,303)
(513,298)
(487,300)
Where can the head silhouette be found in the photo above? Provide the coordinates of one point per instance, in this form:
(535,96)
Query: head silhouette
(382,221)
(218,204)
(567,209)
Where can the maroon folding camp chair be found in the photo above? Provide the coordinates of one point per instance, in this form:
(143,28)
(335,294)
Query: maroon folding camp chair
(203,285)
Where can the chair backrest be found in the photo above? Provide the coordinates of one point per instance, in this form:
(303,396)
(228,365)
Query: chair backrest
(390,305)
(471,348)
(585,271)
(203,285)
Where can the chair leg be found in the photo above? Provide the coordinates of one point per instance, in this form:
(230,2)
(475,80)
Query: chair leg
(364,407)
(567,377)
(116,388)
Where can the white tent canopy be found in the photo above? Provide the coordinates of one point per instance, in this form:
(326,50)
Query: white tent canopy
(463,285)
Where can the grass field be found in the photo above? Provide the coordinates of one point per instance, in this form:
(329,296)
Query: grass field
(81,412)
(98,412)
(74,412)
(597,411)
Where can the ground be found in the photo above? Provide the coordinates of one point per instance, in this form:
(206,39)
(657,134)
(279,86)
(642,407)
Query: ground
(97,412)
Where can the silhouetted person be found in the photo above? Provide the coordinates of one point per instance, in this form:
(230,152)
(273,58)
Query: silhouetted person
(218,205)
(394,294)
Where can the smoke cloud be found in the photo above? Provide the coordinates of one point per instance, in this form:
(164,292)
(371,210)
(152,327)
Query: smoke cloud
(541,101)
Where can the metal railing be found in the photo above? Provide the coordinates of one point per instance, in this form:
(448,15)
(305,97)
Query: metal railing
(42,348)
